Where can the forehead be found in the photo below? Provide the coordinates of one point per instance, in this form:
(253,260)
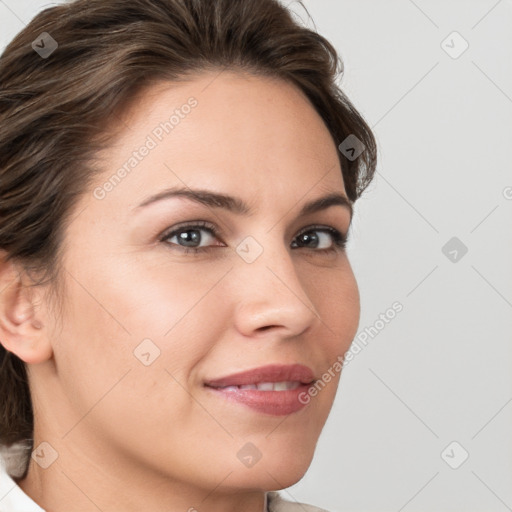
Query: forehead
(226,130)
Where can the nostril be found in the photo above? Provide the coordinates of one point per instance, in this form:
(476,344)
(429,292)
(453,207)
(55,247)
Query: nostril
(266,327)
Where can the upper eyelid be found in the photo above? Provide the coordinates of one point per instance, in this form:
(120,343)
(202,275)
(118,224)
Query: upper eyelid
(190,225)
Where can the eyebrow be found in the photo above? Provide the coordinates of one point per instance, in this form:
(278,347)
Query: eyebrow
(238,206)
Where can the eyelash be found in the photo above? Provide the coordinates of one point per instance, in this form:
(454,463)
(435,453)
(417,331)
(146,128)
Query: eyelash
(339,239)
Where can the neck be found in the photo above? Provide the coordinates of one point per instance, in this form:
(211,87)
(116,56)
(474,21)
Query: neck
(114,486)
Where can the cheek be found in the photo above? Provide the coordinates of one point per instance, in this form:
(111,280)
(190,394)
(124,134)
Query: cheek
(159,296)
(95,357)
(171,310)
(336,297)
(339,307)
(345,307)
(93,347)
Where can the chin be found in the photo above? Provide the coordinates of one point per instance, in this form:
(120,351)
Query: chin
(266,481)
(272,473)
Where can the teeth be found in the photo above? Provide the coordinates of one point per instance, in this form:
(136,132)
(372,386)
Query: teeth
(247,386)
(266,386)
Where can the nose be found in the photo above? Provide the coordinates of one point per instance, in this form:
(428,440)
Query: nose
(270,296)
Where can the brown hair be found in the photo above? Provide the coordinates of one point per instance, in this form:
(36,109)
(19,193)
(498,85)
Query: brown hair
(54,110)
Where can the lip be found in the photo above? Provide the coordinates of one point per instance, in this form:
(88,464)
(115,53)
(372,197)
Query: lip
(277,403)
(268,373)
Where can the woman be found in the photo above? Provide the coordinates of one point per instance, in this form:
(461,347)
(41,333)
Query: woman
(177,179)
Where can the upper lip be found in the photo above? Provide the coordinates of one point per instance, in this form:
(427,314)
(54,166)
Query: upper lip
(269,373)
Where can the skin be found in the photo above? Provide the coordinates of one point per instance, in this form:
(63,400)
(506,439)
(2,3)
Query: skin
(133,437)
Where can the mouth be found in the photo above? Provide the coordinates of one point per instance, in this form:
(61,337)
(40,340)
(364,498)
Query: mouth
(263,386)
(279,375)
(273,389)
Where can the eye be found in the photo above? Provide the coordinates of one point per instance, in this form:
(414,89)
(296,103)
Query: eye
(189,235)
(188,238)
(310,240)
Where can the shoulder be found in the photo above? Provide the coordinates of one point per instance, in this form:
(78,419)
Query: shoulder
(276,503)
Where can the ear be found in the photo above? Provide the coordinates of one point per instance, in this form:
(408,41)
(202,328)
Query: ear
(22,331)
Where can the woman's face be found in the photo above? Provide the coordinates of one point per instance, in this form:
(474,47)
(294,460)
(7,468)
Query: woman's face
(145,325)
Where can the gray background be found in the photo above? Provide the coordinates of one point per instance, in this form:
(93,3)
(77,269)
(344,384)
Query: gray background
(440,371)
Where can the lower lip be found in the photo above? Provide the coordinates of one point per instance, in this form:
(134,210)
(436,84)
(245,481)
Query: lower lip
(277,403)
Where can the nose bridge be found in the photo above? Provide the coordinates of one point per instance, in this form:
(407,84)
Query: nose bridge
(268,289)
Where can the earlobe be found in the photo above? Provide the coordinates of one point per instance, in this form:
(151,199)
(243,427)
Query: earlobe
(21,332)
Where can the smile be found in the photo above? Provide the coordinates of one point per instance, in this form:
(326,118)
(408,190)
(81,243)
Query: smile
(264,386)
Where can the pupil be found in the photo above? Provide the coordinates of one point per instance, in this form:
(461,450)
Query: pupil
(308,238)
(190,239)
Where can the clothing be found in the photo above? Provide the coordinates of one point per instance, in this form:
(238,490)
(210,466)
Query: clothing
(13,499)
(276,503)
